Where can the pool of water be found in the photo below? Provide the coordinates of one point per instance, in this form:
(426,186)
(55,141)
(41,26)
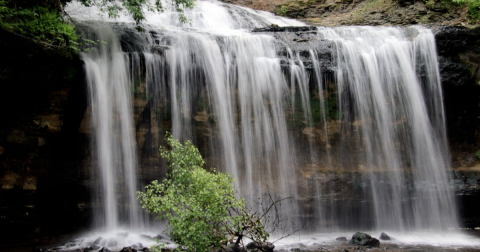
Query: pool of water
(465,241)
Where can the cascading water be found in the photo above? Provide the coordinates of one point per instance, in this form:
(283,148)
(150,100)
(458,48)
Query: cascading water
(379,91)
(109,81)
(347,121)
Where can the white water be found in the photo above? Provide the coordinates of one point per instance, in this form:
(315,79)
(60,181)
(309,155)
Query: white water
(109,84)
(403,240)
(377,73)
(221,85)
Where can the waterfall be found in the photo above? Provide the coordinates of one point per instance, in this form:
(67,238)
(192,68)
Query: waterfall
(378,87)
(109,83)
(346,122)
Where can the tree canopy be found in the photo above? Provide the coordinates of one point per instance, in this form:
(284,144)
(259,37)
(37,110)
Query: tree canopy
(42,23)
(43,20)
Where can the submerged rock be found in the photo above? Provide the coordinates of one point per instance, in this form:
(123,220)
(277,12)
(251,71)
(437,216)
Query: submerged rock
(233,247)
(343,239)
(137,246)
(363,239)
(160,237)
(93,247)
(98,240)
(148,237)
(128,249)
(385,237)
(261,246)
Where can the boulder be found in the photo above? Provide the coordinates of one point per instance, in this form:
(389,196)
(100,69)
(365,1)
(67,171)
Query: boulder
(148,237)
(385,237)
(93,247)
(97,241)
(251,245)
(160,237)
(261,246)
(104,249)
(363,239)
(128,249)
(232,247)
(343,239)
(137,246)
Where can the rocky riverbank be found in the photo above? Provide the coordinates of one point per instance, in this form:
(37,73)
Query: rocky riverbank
(353,241)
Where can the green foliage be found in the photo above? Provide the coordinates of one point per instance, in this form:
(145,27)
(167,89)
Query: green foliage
(473,6)
(135,7)
(45,23)
(200,207)
(38,23)
(473,14)
(283,11)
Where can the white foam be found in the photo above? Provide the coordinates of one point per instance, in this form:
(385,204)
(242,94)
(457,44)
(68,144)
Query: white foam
(115,240)
(453,239)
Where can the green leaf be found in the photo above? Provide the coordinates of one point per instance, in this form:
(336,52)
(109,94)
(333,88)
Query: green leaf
(200,207)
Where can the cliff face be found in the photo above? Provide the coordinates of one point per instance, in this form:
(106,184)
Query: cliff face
(363,12)
(458,49)
(42,101)
(459,59)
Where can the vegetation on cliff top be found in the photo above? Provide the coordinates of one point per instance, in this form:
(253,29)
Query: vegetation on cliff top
(45,23)
(473,10)
(382,12)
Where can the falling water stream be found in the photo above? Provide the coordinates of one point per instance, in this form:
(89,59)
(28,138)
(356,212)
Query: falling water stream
(347,121)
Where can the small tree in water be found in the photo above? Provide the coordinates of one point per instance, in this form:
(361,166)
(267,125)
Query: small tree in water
(200,206)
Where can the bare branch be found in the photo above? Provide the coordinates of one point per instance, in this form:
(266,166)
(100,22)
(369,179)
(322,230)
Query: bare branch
(287,235)
(272,205)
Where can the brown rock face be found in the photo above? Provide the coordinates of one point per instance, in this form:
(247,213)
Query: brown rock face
(361,12)
(266,5)
(42,101)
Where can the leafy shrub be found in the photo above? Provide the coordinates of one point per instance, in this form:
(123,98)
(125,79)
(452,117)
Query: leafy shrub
(474,12)
(200,207)
(283,11)
(473,6)
(38,23)
(45,24)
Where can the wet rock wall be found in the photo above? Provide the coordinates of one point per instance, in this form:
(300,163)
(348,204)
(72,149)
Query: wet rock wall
(45,158)
(42,153)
